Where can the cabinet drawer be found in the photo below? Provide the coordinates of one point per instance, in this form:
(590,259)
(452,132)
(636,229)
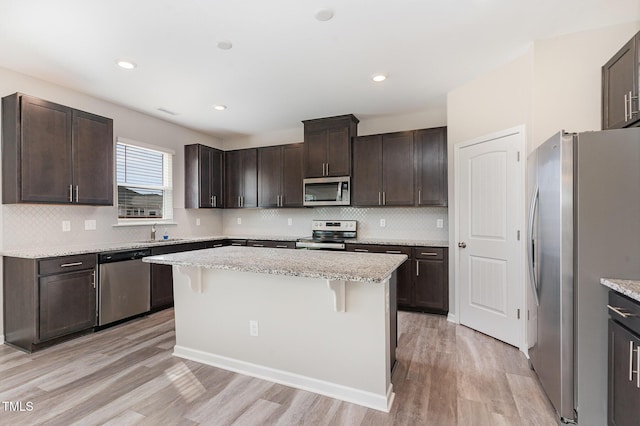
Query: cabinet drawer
(432,253)
(177,248)
(272,244)
(66,264)
(624,310)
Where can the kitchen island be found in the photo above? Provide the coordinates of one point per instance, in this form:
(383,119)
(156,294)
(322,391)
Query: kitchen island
(315,320)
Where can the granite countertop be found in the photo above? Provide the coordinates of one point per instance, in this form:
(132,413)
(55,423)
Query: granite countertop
(630,288)
(73,249)
(400,242)
(347,266)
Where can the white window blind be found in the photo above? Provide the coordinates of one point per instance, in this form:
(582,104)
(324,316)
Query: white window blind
(144,182)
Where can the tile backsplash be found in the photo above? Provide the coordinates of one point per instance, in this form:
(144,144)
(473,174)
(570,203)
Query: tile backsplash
(400,222)
(30,225)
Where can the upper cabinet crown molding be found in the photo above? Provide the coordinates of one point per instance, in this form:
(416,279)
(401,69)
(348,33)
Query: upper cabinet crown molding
(55,154)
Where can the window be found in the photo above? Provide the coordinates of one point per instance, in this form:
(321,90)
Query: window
(144,181)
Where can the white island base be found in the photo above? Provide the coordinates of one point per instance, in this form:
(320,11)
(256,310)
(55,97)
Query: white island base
(323,336)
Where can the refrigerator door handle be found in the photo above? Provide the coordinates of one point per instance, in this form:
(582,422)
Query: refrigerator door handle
(533,207)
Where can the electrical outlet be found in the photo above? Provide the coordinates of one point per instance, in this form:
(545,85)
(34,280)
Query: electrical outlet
(439,223)
(66,225)
(383,223)
(90,225)
(289,221)
(253,328)
(239,221)
(197,221)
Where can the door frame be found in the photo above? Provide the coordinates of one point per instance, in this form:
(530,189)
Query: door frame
(520,221)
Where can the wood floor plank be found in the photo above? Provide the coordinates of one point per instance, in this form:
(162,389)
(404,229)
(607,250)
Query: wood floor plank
(446,375)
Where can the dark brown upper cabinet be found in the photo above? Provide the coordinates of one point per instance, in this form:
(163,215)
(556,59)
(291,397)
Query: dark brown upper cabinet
(280,176)
(620,83)
(203,167)
(55,154)
(241,178)
(431,167)
(327,145)
(383,170)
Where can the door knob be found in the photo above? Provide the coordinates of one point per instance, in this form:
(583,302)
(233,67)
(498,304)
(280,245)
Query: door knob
(462,244)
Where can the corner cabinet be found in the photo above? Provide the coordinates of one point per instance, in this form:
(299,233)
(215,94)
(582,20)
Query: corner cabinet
(241,178)
(383,172)
(204,167)
(620,84)
(49,300)
(280,176)
(55,154)
(327,146)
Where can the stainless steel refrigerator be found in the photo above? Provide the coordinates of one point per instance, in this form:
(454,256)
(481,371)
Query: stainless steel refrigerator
(584,224)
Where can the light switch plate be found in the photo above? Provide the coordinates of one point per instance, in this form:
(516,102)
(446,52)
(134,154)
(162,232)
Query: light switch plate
(90,225)
(289,221)
(439,223)
(383,223)
(197,221)
(239,221)
(66,225)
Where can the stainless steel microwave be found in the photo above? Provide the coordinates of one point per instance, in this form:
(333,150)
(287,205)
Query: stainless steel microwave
(327,191)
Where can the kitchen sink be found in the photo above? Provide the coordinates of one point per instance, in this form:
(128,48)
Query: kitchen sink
(162,241)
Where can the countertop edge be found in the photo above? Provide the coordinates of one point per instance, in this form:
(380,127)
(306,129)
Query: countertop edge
(629,288)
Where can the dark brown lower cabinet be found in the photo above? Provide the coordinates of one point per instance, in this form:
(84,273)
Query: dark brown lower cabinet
(48,300)
(162,275)
(431,283)
(624,360)
(422,281)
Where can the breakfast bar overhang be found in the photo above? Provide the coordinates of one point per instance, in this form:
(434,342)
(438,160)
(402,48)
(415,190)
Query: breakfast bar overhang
(315,320)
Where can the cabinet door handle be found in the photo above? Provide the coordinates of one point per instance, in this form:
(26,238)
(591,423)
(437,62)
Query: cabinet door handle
(626,107)
(631,111)
(71,193)
(394,252)
(384,198)
(379,198)
(429,254)
(630,360)
(620,312)
(419,196)
(417,268)
(327,169)
(361,250)
(68,265)
(637,366)
(93,276)
(77,199)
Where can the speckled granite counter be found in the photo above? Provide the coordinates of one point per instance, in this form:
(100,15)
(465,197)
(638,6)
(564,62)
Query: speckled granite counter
(346,266)
(630,288)
(401,242)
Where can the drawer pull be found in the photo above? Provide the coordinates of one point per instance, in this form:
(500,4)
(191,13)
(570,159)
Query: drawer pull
(429,253)
(281,246)
(394,252)
(361,250)
(217,245)
(68,265)
(258,245)
(619,311)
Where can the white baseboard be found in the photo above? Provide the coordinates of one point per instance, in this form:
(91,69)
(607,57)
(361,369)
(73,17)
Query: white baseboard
(452,318)
(332,390)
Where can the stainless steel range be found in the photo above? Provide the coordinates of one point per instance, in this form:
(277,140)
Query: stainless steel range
(329,235)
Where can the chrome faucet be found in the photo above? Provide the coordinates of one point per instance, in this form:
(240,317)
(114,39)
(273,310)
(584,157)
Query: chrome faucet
(153,231)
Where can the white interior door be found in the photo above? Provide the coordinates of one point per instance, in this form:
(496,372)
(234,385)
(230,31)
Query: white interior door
(489,189)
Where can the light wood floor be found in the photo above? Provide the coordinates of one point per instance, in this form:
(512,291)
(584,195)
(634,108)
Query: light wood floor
(447,375)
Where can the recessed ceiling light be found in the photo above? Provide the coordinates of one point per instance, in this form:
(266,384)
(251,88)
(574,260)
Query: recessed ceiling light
(224,45)
(219,107)
(323,14)
(379,78)
(128,65)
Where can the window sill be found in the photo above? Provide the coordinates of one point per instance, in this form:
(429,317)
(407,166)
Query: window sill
(145,222)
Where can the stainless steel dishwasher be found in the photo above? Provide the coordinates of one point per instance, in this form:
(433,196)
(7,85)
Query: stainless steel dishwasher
(123,285)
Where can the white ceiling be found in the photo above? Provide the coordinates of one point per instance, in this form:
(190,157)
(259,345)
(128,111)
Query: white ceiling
(285,66)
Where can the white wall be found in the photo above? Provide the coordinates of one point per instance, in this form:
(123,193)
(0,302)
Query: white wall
(555,85)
